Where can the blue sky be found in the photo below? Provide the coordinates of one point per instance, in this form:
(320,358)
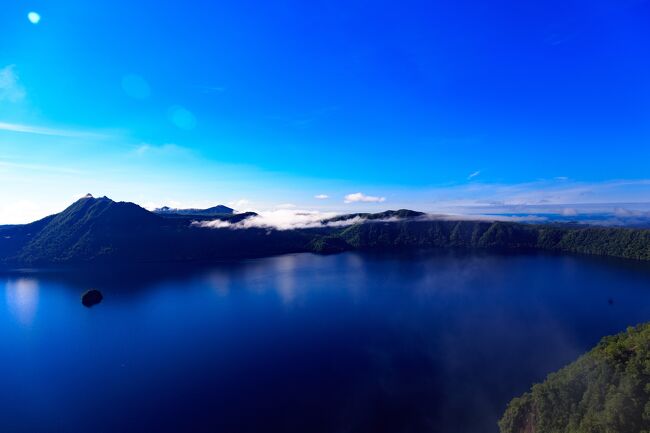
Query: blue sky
(431,105)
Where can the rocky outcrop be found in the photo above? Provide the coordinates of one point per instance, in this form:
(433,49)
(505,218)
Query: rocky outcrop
(91,297)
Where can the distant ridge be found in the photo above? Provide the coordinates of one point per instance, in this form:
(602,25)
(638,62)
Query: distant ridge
(386,215)
(215,210)
(100,230)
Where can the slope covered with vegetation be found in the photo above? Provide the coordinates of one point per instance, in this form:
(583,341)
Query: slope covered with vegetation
(101,230)
(606,390)
(507,236)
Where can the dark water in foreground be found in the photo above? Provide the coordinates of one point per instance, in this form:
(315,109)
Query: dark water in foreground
(303,343)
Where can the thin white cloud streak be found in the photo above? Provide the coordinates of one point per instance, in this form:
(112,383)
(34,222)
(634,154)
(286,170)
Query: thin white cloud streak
(321,196)
(358,197)
(38,167)
(39,130)
(473,175)
(554,192)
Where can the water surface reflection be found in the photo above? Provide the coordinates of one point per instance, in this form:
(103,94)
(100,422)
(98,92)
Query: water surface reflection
(342,343)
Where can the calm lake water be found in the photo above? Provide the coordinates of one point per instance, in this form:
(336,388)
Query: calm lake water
(419,342)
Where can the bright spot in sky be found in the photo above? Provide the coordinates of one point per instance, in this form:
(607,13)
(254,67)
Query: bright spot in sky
(33,17)
(135,86)
(182,117)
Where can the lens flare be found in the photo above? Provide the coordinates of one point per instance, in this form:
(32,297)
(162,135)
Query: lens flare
(181,117)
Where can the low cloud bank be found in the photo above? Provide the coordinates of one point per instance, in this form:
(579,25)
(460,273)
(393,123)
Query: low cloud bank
(286,218)
(279,219)
(292,219)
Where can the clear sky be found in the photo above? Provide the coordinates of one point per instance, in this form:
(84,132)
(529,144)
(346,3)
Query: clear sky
(423,104)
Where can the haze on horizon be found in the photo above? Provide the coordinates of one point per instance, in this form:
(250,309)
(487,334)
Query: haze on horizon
(462,107)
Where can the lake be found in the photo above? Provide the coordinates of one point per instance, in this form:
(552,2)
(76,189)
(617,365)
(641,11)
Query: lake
(409,342)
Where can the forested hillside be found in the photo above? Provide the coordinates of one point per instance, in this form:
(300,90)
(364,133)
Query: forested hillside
(101,230)
(606,390)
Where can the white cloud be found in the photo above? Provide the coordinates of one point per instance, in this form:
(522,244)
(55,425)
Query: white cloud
(358,197)
(321,196)
(241,205)
(286,219)
(473,175)
(214,224)
(10,88)
(279,219)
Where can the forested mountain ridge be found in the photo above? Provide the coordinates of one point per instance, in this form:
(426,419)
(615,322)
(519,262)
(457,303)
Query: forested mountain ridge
(101,230)
(615,242)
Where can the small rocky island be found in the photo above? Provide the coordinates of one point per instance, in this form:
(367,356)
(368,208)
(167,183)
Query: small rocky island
(91,297)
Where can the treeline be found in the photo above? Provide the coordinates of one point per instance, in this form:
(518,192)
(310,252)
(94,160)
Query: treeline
(614,242)
(606,390)
(101,230)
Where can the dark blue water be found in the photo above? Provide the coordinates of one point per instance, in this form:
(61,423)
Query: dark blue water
(303,343)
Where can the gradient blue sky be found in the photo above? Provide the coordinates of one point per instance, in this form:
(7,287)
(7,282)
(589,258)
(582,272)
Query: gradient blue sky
(431,105)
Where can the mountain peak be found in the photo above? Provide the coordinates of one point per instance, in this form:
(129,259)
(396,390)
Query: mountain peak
(89,195)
